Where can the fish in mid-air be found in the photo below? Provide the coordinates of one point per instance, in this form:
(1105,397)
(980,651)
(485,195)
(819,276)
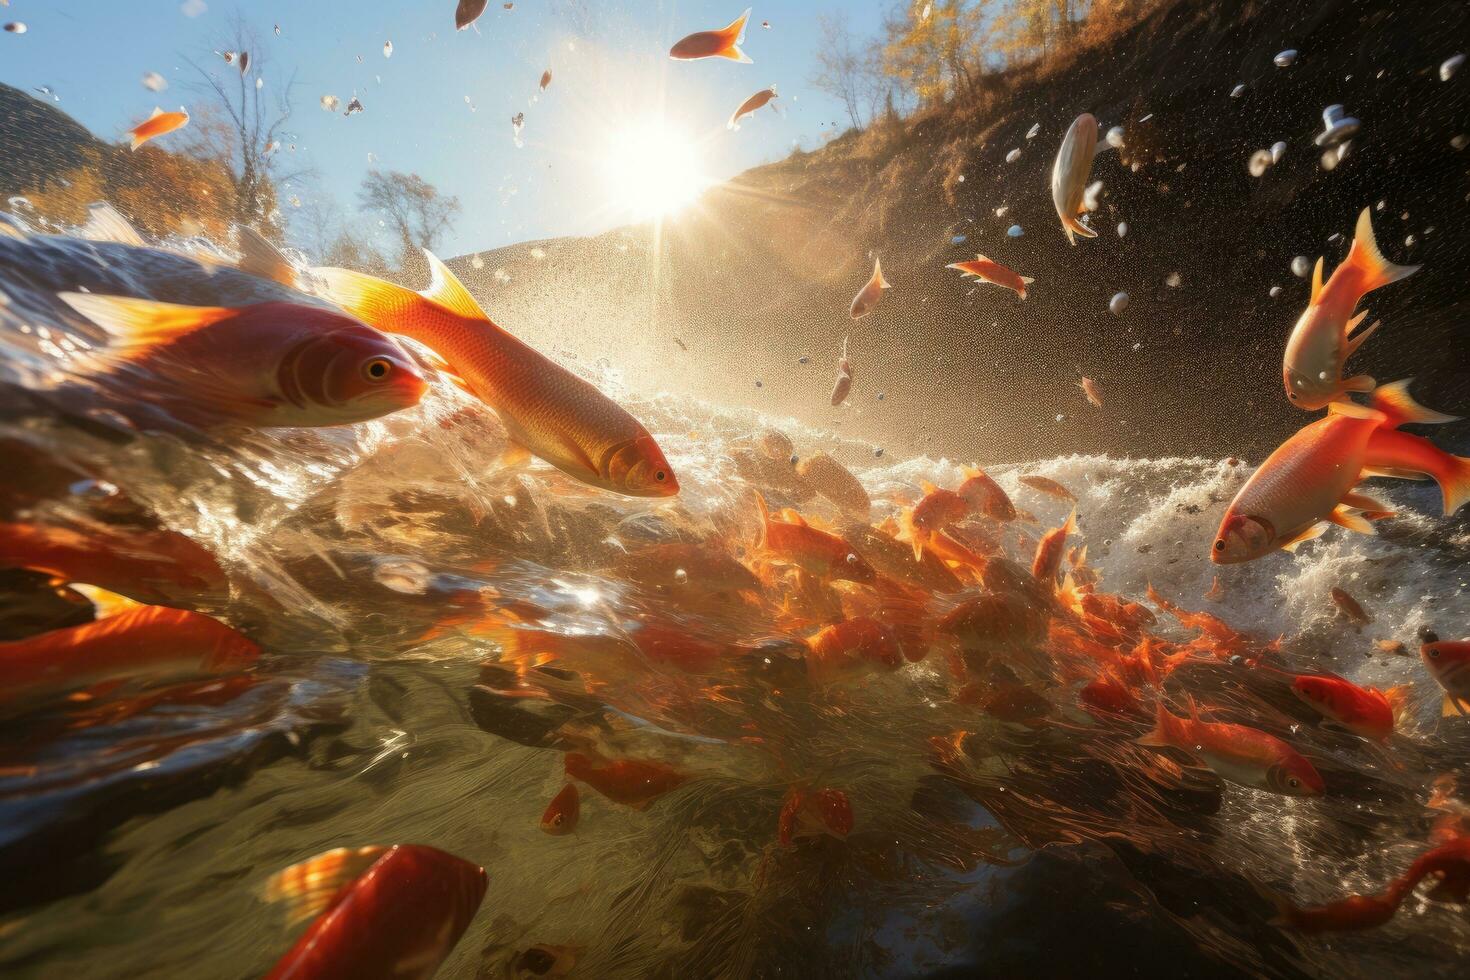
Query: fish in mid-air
(993,272)
(466,12)
(380,911)
(270,364)
(866,300)
(1069,175)
(748,108)
(843,383)
(545,79)
(546,409)
(1320,343)
(723,43)
(159,124)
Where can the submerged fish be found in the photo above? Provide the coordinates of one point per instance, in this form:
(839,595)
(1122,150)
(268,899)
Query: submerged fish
(935,511)
(750,105)
(851,648)
(1050,487)
(380,912)
(835,482)
(1069,175)
(545,408)
(993,272)
(1235,752)
(1048,559)
(1448,662)
(159,124)
(562,813)
(985,496)
(1320,344)
(1364,711)
(148,644)
(145,565)
(812,813)
(824,555)
(627,781)
(723,43)
(271,364)
(866,300)
(1350,607)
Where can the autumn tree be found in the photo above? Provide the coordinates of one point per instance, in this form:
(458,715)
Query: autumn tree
(936,48)
(252,116)
(414,210)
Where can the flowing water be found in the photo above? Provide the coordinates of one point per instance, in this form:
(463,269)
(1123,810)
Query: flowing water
(386,569)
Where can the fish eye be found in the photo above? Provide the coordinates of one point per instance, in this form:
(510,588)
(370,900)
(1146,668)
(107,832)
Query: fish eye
(1220,544)
(556,820)
(660,476)
(377,369)
(1293,782)
(1434,654)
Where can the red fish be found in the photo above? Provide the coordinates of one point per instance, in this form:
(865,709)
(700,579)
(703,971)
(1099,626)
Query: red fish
(748,108)
(852,647)
(813,813)
(935,511)
(1048,559)
(1363,711)
(993,272)
(271,364)
(561,814)
(1235,752)
(724,43)
(626,781)
(1448,662)
(1347,915)
(384,912)
(823,555)
(144,565)
(148,644)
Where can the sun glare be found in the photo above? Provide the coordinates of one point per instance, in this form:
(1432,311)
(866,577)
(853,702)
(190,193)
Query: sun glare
(652,171)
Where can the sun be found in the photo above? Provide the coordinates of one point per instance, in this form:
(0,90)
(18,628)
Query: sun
(652,170)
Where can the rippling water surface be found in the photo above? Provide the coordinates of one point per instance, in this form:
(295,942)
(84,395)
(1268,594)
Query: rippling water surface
(440,631)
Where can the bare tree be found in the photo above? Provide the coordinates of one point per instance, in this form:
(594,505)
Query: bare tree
(415,210)
(254,119)
(846,69)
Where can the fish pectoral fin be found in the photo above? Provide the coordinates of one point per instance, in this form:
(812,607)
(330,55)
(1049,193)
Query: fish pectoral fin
(311,887)
(1343,517)
(1316,282)
(1359,382)
(1027,280)
(1452,706)
(260,258)
(141,322)
(1357,340)
(1315,531)
(1363,502)
(446,290)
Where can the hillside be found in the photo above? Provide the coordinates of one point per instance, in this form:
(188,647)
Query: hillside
(762,271)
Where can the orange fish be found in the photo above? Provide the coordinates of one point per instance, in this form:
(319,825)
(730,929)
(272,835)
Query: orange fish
(1047,486)
(466,12)
(835,482)
(1319,344)
(159,124)
(1363,711)
(545,408)
(1048,559)
(1107,694)
(1237,753)
(1448,662)
(985,496)
(866,300)
(748,108)
(817,552)
(993,272)
(144,565)
(149,644)
(850,648)
(380,912)
(1393,453)
(561,814)
(271,364)
(626,781)
(1350,607)
(545,79)
(814,813)
(724,43)
(935,511)
(843,384)
(1089,388)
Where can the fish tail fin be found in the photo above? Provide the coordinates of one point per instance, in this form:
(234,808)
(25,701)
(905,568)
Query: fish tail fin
(1454,484)
(1071,224)
(1166,727)
(733,36)
(310,887)
(1398,701)
(1395,401)
(1452,706)
(1365,258)
(374,301)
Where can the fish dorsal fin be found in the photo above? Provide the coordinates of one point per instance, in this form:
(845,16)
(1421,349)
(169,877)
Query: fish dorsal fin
(980,258)
(106,224)
(1028,280)
(259,257)
(142,322)
(157,111)
(311,887)
(447,291)
(927,487)
(1315,531)
(1316,282)
(1352,409)
(878,275)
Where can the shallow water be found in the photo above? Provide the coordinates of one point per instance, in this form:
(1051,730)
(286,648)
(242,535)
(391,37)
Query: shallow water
(139,829)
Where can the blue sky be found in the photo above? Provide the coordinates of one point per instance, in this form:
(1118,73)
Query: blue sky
(609,59)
